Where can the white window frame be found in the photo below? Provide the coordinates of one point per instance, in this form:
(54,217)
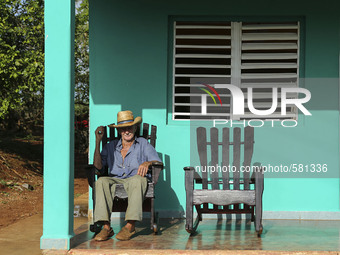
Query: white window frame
(243,38)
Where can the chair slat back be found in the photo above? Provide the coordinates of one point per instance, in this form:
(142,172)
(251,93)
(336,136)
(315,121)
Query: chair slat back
(153,137)
(145,130)
(214,156)
(104,139)
(202,152)
(236,157)
(248,154)
(112,133)
(236,146)
(225,157)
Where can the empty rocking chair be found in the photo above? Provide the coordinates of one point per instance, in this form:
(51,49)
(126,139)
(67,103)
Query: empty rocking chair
(230,187)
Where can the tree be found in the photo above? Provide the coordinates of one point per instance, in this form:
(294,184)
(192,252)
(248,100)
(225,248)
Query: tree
(82,52)
(81,75)
(21,60)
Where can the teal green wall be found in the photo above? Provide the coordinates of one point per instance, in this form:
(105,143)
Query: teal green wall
(129,69)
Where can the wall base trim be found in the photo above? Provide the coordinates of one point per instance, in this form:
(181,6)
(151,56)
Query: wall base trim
(301,215)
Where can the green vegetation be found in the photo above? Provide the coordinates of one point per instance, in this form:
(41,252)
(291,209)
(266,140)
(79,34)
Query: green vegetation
(21,62)
(22,67)
(82,57)
(77,195)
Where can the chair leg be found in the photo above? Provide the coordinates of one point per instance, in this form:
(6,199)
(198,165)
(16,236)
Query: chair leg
(192,226)
(155,225)
(199,213)
(258,200)
(95,228)
(189,219)
(258,220)
(197,221)
(189,188)
(252,214)
(154,217)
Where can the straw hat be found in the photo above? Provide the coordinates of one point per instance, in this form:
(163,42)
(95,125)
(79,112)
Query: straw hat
(125,119)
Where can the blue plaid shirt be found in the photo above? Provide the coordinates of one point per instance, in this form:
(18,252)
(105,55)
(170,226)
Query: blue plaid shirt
(139,152)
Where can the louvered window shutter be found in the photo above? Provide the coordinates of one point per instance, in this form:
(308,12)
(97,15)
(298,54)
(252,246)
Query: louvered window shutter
(270,59)
(257,55)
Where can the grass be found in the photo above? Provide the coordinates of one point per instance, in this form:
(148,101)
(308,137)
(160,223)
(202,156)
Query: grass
(7,183)
(4,193)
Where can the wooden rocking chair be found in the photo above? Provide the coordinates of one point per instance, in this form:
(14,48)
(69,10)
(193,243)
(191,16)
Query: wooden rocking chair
(121,198)
(234,191)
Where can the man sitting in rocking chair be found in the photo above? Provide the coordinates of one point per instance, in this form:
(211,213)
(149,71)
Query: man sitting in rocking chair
(128,160)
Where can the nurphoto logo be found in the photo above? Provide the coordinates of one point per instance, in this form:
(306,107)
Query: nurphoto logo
(238,100)
(238,105)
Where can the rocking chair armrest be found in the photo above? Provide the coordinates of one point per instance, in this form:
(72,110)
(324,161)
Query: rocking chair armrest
(157,164)
(156,169)
(188,168)
(196,176)
(89,167)
(91,172)
(189,178)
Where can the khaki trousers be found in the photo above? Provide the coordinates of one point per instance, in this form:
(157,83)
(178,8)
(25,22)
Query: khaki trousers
(134,186)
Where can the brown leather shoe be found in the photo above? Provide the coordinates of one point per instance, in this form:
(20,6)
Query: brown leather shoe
(104,234)
(125,234)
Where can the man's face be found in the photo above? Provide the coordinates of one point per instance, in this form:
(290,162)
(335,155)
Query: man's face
(127,133)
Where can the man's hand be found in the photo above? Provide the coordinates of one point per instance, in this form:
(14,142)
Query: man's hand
(99,133)
(143,168)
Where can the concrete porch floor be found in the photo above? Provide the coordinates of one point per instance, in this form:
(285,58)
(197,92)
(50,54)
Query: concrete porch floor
(217,237)
(233,237)
(213,237)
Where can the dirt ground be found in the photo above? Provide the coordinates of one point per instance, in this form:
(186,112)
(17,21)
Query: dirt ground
(21,178)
